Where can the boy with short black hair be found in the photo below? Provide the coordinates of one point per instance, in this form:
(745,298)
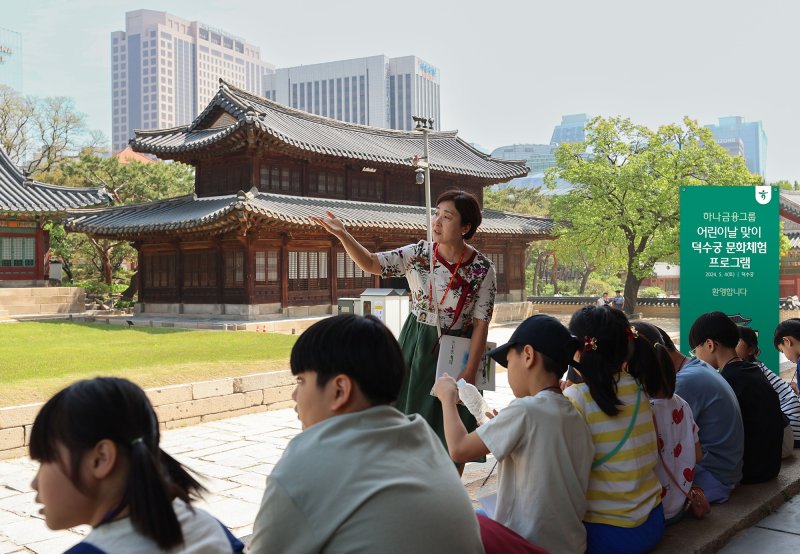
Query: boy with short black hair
(542,443)
(361,477)
(787,341)
(713,338)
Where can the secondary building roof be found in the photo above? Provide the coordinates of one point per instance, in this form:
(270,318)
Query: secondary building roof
(235,118)
(219,214)
(20,195)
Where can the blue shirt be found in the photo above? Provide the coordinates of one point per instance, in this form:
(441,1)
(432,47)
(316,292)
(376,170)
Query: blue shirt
(716,412)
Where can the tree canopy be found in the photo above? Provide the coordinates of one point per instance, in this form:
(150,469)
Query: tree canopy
(627,181)
(130,183)
(37,133)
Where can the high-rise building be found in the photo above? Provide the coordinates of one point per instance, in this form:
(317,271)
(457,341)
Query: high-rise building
(11,59)
(538,157)
(571,129)
(164,67)
(375,91)
(752,136)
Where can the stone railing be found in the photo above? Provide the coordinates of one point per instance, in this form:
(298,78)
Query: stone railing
(176,405)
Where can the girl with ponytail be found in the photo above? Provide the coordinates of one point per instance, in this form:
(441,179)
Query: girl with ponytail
(624,512)
(678,440)
(97,442)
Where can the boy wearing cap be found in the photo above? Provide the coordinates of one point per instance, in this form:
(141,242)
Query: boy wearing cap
(541,442)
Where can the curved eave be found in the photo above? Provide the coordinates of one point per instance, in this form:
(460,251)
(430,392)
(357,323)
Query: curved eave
(253,211)
(195,141)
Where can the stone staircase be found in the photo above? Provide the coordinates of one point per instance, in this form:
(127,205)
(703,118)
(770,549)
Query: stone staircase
(39,301)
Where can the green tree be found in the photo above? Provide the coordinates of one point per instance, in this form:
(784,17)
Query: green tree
(130,183)
(627,187)
(37,133)
(529,201)
(521,200)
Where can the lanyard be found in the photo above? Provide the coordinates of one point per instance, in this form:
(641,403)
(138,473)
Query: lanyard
(452,275)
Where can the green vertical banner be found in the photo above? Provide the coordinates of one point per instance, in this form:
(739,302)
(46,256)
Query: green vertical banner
(730,239)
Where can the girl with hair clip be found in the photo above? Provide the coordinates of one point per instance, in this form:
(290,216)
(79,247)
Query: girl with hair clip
(624,513)
(101,465)
(677,433)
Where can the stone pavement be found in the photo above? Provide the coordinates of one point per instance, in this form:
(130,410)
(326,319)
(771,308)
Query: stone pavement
(234,456)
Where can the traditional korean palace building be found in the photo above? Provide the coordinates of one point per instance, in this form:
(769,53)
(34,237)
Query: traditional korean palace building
(243,244)
(25,205)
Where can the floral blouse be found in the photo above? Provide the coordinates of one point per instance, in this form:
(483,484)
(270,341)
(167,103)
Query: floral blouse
(476,283)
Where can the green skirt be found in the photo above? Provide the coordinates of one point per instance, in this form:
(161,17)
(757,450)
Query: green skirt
(419,344)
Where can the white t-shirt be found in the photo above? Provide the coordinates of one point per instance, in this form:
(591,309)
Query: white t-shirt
(677,435)
(202,534)
(545,452)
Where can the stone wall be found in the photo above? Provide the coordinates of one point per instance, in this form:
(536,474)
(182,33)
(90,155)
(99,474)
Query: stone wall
(176,405)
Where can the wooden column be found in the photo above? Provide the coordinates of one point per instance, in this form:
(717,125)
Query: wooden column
(179,269)
(250,269)
(284,254)
(220,270)
(332,271)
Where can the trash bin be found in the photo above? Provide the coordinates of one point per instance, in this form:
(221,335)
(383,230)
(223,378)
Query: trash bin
(388,305)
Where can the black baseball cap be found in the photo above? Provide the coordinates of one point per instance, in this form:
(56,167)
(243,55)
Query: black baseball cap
(545,334)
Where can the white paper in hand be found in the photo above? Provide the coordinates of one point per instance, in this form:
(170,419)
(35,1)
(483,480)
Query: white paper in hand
(453,356)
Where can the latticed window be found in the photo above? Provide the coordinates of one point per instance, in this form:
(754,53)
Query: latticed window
(497,260)
(326,183)
(308,271)
(17,251)
(234,268)
(349,275)
(279,179)
(266,266)
(159,270)
(200,269)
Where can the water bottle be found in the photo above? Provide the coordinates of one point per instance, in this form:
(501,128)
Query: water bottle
(473,400)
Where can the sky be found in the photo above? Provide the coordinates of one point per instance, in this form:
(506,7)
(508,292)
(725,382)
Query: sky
(509,69)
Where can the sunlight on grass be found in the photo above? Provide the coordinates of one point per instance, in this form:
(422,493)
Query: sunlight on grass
(39,358)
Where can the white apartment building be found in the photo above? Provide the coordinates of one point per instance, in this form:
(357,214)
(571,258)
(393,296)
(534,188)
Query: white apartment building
(375,91)
(163,68)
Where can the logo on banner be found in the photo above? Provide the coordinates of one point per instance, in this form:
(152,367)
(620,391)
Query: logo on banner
(763,194)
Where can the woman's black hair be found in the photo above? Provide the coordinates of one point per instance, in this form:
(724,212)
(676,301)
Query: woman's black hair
(361,347)
(603,332)
(467,206)
(651,364)
(109,408)
(750,338)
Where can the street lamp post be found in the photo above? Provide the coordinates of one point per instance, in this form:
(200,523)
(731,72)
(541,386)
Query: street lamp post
(423,171)
(425,125)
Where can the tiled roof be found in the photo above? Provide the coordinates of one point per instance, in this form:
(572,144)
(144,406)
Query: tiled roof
(790,202)
(794,238)
(319,135)
(23,196)
(189,214)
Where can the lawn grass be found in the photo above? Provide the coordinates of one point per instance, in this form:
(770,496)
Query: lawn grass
(39,358)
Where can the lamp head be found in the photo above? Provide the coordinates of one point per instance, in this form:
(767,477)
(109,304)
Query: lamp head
(420,175)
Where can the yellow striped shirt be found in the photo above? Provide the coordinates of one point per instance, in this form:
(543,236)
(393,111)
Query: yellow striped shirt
(625,489)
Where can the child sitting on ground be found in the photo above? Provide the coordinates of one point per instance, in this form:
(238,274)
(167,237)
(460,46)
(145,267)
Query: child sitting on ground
(678,439)
(624,513)
(748,350)
(100,465)
(541,442)
(713,338)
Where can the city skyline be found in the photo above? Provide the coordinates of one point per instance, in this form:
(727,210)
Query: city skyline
(509,71)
